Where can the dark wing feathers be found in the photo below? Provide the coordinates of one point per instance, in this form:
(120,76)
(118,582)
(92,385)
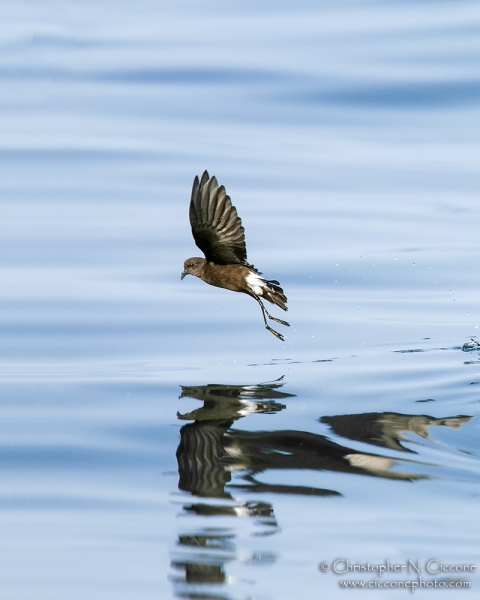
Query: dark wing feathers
(217,229)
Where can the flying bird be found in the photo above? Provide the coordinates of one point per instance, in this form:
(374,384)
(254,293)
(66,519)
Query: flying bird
(218,232)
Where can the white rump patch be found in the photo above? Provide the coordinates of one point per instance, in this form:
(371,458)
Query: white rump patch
(248,407)
(375,464)
(256,283)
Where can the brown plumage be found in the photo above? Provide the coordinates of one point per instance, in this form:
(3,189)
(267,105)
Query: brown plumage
(218,232)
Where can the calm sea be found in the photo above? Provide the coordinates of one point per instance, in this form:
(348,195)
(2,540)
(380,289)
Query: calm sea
(155,440)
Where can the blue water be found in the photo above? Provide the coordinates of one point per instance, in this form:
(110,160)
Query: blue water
(155,440)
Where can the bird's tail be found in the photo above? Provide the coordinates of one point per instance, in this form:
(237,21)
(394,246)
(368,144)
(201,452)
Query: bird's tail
(274,293)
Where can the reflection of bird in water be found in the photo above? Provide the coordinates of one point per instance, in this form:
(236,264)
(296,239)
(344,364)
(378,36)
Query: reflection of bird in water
(210,450)
(202,555)
(202,559)
(258,451)
(230,402)
(218,232)
(201,447)
(388,429)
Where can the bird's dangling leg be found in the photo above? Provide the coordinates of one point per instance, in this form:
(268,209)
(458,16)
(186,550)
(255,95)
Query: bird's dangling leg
(277,320)
(269,315)
(267,326)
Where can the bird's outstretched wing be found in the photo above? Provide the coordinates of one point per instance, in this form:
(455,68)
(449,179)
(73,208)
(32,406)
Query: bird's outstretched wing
(217,229)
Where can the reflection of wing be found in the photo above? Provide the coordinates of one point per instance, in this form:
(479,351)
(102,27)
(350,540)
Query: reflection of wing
(388,429)
(198,457)
(258,451)
(216,226)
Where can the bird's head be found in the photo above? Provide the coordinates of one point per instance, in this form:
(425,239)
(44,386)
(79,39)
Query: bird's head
(193,266)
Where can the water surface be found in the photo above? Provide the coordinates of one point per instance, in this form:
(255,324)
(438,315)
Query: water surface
(156,441)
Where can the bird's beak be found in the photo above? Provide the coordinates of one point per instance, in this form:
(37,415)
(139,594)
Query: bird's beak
(183,274)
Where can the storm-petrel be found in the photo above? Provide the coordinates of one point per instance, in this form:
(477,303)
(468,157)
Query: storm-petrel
(218,232)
